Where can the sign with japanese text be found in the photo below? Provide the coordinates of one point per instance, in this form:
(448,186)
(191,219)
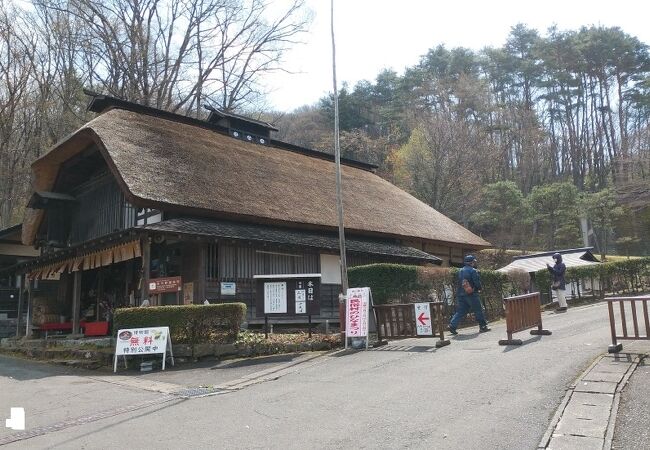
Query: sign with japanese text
(228,288)
(301,301)
(275,297)
(357,312)
(293,295)
(142,341)
(162,285)
(423,319)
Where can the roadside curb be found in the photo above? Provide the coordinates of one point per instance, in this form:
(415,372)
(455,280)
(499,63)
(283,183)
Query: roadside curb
(567,428)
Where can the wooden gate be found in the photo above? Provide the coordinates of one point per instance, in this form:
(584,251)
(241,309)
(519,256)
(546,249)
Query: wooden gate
(398,321)
(522,312)
(632,302)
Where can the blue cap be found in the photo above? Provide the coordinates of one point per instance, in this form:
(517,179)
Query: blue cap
(469,258)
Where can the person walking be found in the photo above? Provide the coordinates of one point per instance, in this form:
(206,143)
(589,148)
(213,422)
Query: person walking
(469,285)
(558,283)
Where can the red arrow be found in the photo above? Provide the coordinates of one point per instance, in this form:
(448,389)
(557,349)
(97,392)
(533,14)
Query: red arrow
(422,318)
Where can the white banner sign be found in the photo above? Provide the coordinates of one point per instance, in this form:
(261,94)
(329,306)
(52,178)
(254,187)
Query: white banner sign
(142,341)
(275,298)
(228,288)
(423,319)
(357,312)
(301,301)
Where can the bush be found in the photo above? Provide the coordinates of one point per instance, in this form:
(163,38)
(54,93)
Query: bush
(188,324)
(389,283)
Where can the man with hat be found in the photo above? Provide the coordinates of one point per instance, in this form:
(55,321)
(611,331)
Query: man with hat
(559,283)
(469,285)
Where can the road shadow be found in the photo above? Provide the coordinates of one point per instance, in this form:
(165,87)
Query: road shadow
(464,337)
(256,361)
(405,348)
(23,369)
(509,348)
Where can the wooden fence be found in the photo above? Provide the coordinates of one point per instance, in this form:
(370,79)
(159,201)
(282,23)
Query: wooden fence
(616,347)
(522,312)
(398,321)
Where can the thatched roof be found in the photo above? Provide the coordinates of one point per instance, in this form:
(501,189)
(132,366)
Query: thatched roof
(171,165)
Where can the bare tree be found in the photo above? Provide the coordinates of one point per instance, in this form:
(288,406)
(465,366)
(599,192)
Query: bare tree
(178,54)
(17,111)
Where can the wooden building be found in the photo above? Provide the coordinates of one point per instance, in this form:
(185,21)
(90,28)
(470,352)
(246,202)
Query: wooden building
(138,195)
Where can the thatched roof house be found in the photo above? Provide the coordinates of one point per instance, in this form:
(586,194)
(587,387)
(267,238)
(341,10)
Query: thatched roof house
(151,194)
(191,168)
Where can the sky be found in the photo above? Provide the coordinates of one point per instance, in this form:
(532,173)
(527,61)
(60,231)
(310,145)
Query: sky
(372,35)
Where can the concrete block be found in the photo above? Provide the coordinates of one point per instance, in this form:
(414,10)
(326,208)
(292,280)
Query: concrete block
(575,442)
(611,377)
(601,387)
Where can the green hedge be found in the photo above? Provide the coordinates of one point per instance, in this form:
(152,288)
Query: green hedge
(188,324)
(389,283)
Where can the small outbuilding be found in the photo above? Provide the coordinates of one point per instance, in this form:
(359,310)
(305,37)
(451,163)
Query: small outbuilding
(576,257)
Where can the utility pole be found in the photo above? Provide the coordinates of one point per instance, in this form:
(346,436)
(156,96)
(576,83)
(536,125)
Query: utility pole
(339,195)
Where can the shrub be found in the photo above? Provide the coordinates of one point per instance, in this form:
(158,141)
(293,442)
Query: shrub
(188,324)
(389,283)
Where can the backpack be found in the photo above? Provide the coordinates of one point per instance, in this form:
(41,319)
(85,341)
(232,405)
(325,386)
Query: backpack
(467,287)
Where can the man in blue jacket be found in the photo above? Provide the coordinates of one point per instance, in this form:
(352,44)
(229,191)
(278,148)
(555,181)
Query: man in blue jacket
(468,301)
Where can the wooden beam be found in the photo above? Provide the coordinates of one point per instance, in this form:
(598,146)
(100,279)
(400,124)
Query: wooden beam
(76,301)
(21,287)
(30,308)
(146,267)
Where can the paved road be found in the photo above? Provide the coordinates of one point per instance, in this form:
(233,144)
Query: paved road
(472,394)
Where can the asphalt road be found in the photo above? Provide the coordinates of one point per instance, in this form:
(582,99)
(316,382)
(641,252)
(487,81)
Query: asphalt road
(473,394)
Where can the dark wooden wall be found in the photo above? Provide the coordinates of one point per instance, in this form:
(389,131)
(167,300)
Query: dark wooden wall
(101,210)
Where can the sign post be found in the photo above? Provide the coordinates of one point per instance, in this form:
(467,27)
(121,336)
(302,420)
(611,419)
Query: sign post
(423,319)
(143,341)
(357,314)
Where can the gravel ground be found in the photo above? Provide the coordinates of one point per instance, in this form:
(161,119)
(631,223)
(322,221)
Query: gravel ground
(633,421)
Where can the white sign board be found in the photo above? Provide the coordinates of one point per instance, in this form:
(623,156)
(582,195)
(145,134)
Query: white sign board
(275,298)
(357,312)
(228,288)
(423,319)
(143,341)
(301,301)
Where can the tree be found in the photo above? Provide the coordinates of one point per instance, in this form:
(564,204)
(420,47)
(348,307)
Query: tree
(602,210)
(178,55)
(555,215)
(504,212)
(442,165)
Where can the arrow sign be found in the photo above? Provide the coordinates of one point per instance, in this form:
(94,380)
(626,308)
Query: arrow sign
(423,319)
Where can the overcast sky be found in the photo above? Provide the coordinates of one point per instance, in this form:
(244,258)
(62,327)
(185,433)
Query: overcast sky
(375,34)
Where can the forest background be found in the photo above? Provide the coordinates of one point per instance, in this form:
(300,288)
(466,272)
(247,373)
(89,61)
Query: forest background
(524,144)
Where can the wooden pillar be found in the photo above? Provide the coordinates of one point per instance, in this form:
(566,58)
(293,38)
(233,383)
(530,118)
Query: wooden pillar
(100,290)
(146,266)
(76,301)
(19,318)
(203,250)
(30,308)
